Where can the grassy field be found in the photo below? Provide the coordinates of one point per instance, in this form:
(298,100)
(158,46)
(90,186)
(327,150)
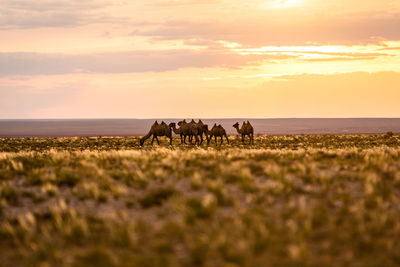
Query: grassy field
(321,200)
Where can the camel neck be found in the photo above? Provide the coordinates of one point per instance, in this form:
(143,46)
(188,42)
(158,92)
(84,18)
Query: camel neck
(237,129)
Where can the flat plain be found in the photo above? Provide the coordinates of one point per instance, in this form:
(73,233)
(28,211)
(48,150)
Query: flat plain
(292,200)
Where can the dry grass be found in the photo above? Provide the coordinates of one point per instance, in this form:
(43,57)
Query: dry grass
(287,200)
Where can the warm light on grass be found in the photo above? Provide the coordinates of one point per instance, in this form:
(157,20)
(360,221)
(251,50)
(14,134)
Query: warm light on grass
(286,200)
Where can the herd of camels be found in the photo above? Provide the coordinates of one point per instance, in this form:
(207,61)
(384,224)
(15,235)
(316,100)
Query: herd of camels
(196,130)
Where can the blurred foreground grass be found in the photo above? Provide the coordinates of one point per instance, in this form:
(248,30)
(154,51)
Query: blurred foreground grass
(287,200)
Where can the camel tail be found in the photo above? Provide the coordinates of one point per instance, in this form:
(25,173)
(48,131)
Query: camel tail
(144,138)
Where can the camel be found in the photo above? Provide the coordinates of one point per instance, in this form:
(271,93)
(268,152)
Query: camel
(194,125)
(201,129)
(217,131)
(158,130)
(246,129)
(185,129)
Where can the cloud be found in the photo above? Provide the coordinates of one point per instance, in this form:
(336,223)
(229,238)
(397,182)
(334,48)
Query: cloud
(314,56)
(246,23)
(272,29)
(21,63)
(27,14)
(123,62)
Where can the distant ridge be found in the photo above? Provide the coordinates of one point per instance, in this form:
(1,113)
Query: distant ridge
(131,127)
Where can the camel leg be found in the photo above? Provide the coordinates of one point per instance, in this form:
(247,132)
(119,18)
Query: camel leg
(243,139)
(197,139)
(158,142)
(144,138)
(184,139)
(215,137)
(209,139)
(201,139)
(227,139)
(222,140)
(252,138)
(152,140)
(181,138)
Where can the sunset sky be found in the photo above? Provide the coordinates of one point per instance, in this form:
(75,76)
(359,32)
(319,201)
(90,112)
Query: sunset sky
(201,59)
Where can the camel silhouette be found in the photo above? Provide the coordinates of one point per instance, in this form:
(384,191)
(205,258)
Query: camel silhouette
(185,130)
(217,131)
(246,129)
(201,129)
(158,130)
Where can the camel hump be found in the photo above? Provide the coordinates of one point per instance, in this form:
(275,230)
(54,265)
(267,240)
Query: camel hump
(248,122)
(215,125)
(156,122)
(192,121)
(219,125)
(163,122)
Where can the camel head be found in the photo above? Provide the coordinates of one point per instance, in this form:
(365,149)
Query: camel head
(182,123)
(172,125)
(236,125)
(205,127)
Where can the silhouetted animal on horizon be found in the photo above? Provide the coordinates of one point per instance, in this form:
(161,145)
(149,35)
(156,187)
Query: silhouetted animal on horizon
(217,131)
(246,129)
(158,130)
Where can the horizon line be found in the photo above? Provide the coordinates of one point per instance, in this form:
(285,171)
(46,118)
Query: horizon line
(197,118)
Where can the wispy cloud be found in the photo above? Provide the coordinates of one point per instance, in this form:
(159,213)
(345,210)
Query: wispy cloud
(27,14)
(267,30)
(124,62)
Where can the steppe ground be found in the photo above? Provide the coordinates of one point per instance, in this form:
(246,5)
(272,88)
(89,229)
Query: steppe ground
(317,200)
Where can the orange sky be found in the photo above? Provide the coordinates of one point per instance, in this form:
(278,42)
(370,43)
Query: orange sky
(193,58)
